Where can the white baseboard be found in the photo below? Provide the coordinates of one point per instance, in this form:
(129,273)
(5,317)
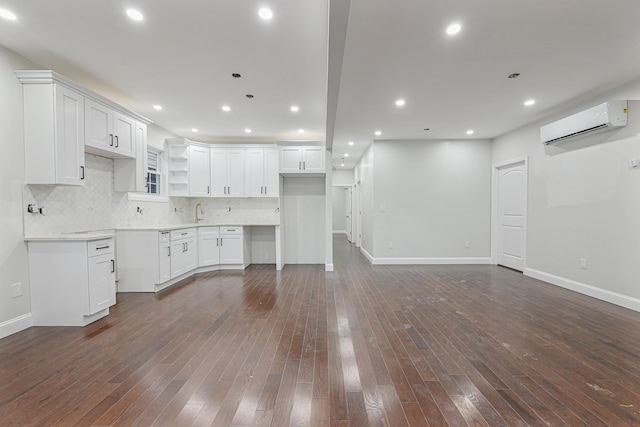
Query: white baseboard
(582,288)
(430,261)
(339,231)
(328,267)
(366,254)
(16,324)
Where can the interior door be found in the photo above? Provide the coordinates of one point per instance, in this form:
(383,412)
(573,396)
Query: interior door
(512,191)
(348,213)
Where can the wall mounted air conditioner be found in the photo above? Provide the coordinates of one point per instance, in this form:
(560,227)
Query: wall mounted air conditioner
(606,116)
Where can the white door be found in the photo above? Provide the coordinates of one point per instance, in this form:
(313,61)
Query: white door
(164,262)
(358,215)
(98,125)
(190,255)
(271,176)
(70,136)
(512,191)
(255,173)
(235,173)
(209,250)
(102,283)
(177,258)
(313,159)
(231,250)
(219,173)
(291,159)
(124,130)
(347,213)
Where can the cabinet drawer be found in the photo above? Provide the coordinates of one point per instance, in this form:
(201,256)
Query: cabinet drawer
(100,247)
(163,236)
(183,233)
(208,231)
(230,230)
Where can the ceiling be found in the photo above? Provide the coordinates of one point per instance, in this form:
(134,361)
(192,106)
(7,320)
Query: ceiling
(345,75)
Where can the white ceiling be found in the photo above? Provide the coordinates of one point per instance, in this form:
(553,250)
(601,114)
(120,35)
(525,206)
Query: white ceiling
(182,56)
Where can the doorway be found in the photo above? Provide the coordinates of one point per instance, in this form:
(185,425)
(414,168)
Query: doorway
(509,219)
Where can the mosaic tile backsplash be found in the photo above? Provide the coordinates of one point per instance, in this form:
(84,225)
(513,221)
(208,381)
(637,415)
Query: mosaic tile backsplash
(96,206)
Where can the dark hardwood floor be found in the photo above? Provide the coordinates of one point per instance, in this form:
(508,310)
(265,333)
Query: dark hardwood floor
(364,345)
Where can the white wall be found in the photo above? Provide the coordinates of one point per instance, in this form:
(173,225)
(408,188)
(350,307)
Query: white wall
(14,267)
(343,177)
(303,218)
(583,204)
(339,219)
(430,198)
(365,187)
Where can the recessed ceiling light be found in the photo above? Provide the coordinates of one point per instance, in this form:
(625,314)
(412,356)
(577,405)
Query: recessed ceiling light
(301,130)
(351,142)
(529,102)
(194,129)
(400,102)
(157,107)
(7,14)
(513,76)
(295,108)
(226,108)
(342,164)
(247,130)
(236,75)
(470,132)
(135,14)
(249,96)
(454,29)
(346,154)
(265,13)
(377,133)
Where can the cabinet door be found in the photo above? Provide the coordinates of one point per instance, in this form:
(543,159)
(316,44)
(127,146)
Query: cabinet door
(313,159)
(102,283)
(164,262)
(177,255)
(208,250)
(255,173)
(190,255)
(231,250)
(69,136)
(124,135)
(219,173)
(141,158)
(98,125)
(271,175)
(291,159)
(235,173)
(199,171)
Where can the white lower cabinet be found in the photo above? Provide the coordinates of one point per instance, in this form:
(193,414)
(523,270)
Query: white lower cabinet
(72,281)
(220,245)
(184,252)
(164,257)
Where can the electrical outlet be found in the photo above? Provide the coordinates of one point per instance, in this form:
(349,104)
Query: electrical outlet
(467,244)
(16,290)
(583,264)
(390,245)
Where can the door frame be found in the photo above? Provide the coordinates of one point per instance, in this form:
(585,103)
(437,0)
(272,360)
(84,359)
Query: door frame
(495,171)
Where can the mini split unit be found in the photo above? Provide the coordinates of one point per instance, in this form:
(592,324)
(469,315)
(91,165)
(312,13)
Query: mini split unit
(606,116)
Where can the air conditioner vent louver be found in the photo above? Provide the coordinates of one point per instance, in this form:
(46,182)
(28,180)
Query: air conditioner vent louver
(603,117)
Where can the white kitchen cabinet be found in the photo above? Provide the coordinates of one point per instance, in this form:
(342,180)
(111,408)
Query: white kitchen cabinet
(184,251)
(231,245)
(199,171)
(262,175)
(208,246)
(53,129)
(164,257)
(301,160)
(131,174)
(227,172)
(108,132)
(72,281)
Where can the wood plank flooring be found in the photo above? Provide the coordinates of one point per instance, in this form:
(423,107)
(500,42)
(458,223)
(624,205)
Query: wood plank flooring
(364,345)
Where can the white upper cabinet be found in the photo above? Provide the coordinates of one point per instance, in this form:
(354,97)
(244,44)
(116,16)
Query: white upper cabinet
(108,132)
(227,172)
(199,171)
(301,160)
(262,173)
(53,130)
(131,174)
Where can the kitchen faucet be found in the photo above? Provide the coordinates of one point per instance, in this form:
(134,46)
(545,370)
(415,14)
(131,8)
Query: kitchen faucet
(201,212)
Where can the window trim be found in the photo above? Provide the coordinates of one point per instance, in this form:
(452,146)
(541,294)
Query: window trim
(163,197)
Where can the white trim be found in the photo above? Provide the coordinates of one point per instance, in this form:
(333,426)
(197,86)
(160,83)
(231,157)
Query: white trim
(584,289)
(328,267)
(340,232)
(431,261)
(366,254)
(146,197)
(495,169)
(16,324)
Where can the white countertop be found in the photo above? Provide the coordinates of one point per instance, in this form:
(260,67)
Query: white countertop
(84,236)
(194,225)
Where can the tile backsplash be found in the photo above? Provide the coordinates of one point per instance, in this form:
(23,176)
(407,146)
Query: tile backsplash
(96,206)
